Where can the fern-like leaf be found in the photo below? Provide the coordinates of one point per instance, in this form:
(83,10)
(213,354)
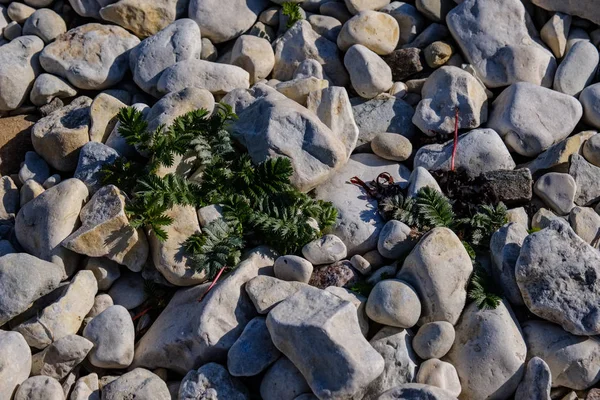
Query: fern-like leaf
(434,208)
(133,127)
(483,291)
(293,12)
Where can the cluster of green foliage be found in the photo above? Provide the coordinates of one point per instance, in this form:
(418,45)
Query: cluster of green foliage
(293,12)
(431,209)
(259,203)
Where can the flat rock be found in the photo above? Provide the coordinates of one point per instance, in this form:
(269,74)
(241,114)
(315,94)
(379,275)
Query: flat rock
(44,222)
(254,351)
(440,289)
(63,355)
(315,324)
(489,352)
(113,334)
(23,280)
(499,40)
(573,360)
(187,334)
(140,384)
(19,67)
(448,89)
(479,151)
(382,114)
(359,224)
(527,126)
(15,361)
(64,316)
(537,381)
(555,272)
(93,156)
(584,9)
(584,173)
(91,56)
(59,137)
(266,292)
(211,380)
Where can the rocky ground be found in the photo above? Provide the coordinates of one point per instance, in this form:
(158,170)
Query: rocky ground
(456,140)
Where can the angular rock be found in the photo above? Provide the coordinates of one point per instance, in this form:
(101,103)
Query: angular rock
(584,9)
(113,335)
(537,381)
(44,222)
(19,67)
(64,316)
(554,33)
(416,391)
(47,87)
(557,190)
(499,40)
(441,289)
(404,63)
(254,351)
(59,137)
(23,280)
(314,324)
(394,345)
(92,158)
(91,56)
(555,272)
(15,361)
(139,384)
(586,224)
(293,268)
(40,388)
(377,31)
(215,17)
(45,24)
(283,381)
(369,74)
(186,333)
(584,173)
(505,247)
(489,352)
(266,292)
(62,356)
(9,198)
(434,340)
(395,240)
(300,43)
(447,89)
(382,114)
(254,55)
(577,69)
(359,223)
(394,303)
(510,187)
(211,380)
(439,374)
(573,360)
(103,113)
(479,151)
(339,274)
(557,157)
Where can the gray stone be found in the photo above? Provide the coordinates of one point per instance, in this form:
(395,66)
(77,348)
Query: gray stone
(394,345)
(45,24)
(356,6)
(404,63)
(208,214)
(65,354)
(215,18)
(85,8)
(254,351)
(410,21)
(505,247)
(479,151)
(439,374)
(369,74)
(448,89)
(416,391)
(359,301)
(315,324)
(395,240)
(255,55)
(554,33)
(326,250)
(359,223)
(420,178)
(86,388)
(394,303)
(44,222)
(557,190)
(12,31)
(433,33)
(555,272)
(140,384)
(92,158)
(105,230)
(377,31)
(19,67)
(211,381)
(47,87)
(438,269)
(9,199)
(175,104)
(590,100)
(537,381)
(15,358)
(578,68)
(129,291)
(101,303)
(435,10)
(391,146)
(543,218)
(18,12)
(328,27)
(266,292)
(585,175)
(300,43)
(531,118)
(29,191)
(382,114)
(574,361)
(489,352)
(188,333)
(584,9)
(23,280)
(34,167)
(499,40)
(113,335)
(557,157)
(64,316)
(434,340)
(59,137)
(40,388)
(518,215)
(586,224)
(283,381)
(106,271)
(91,56)
(293,268)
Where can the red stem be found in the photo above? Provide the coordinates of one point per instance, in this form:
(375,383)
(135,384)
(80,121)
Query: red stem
(141,314)
(214,282)
(455,140)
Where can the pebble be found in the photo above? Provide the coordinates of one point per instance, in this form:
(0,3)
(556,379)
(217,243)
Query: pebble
(394,303)
(326,26)
(254,55)
(45,24)
(557,190)
(435,10)
(63,355)
(356,6)
(437,54)
(369,74)
(578,68)
(19,12)
(112,334)
(434,340)
(395,240)
(537,381)
(128,291)
(101,303)
(590,100)
(391,146)
(440,374)
(106,271)
(40,388)
(254,351)
(325,250)
(555,32)
(48,87)
(410,21)
(139,384)
(377,31)
(29,191)
(209,50)
(12,31)
(293,268)
(283,381)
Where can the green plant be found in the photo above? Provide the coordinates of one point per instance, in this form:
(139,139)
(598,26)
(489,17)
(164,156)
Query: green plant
(362,287)
(434,209)
(483,290)
(487,221)
(293,12)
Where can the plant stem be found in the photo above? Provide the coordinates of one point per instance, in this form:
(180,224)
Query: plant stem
(214,282)
(455,140)
(142,313)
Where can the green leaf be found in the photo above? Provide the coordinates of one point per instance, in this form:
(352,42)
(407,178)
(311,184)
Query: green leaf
(293,12)
(434,208)
(483,291)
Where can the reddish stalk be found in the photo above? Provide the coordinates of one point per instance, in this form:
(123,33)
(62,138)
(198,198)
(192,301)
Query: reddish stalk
(142,313)
(455,146)
(214,282)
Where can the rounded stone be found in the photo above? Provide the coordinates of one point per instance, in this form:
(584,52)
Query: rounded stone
(590,100)
(12,31)
(40,388)
(394,303)
(293,268)
(591,148)
(369,74)
(45,24)
(391,146)
(434,339)
(325,250)
(106,271)
(377,31)
(255,55)
(557,190)
(437,54)
(439,374)
(19,12)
